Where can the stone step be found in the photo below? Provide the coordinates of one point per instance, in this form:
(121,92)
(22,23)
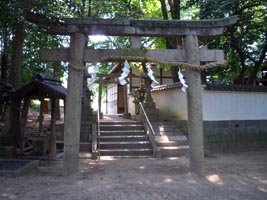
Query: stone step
(167,128)
(84,146)
(126,152)
(171,138)
(169,133)
(172,143)
(109,138)
(174,151)
(124,139)
(85,123)
(120,123)
(125,145)
(121,132)
(121,127)
(165,123)
(86,127)
(125,157)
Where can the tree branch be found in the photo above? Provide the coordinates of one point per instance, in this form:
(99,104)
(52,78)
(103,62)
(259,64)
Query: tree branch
(164,9)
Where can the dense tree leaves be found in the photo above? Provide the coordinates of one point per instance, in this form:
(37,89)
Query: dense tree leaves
(245,43)
(33,40)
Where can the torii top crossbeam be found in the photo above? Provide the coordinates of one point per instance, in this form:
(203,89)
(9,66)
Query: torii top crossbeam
(127,27)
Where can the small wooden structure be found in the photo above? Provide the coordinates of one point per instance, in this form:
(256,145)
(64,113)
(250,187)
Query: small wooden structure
(40,88)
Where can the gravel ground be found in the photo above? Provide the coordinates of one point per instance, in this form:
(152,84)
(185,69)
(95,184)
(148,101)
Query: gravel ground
(231,177)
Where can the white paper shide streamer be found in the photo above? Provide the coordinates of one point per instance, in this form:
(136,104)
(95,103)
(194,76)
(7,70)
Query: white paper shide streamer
(181,78)
(152,77)
(92,70)
(125,73)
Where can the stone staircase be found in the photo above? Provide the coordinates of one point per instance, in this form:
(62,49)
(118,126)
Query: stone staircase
(170,140)
(124,139)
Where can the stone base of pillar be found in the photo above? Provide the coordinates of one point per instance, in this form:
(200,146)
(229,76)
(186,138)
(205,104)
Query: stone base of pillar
(150,105)
(94,155)
(126,115)
(150,108)
(153,114)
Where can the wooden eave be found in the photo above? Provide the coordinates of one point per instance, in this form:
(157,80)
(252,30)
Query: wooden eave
(38,89)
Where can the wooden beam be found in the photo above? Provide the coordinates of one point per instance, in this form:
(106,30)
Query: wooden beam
(94,55)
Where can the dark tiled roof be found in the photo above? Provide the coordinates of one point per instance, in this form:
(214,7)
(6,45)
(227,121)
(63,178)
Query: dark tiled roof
(221,87)
(166,87)
(241,88)
(42,87)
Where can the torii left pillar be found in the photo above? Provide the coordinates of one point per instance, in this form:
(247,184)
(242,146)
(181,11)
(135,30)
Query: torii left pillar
(73,105)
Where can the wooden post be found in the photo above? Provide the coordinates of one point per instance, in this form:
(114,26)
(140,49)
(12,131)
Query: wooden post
(126,114)
(100,97)
(52,152)
(194,102)
(135,43)
(41,116)
(23,123)
(57,109)
(94,140)
(73,105)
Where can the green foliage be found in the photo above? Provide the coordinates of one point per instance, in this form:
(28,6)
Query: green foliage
(245,44)
(12,13)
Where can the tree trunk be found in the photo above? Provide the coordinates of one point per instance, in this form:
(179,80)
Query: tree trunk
(164,9)
(4,60)
(17,50)
(253,75)
(172,42)
(11,131)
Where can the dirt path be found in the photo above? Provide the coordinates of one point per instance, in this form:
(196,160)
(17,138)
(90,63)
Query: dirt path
(230,177)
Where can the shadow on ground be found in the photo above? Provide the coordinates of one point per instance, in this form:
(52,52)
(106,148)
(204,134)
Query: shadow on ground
(233,176)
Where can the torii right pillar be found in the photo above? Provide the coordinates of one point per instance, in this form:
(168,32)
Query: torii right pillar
(194,106)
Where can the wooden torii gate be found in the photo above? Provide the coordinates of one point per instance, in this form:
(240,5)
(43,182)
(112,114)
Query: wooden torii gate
(78,54)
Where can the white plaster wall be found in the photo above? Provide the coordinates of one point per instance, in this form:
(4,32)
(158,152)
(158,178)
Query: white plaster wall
(131,106)
(172,103)
(112,105)
(217,105)
(234,105)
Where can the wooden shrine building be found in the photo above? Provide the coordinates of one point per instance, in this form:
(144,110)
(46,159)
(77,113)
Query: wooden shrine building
(42,87)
